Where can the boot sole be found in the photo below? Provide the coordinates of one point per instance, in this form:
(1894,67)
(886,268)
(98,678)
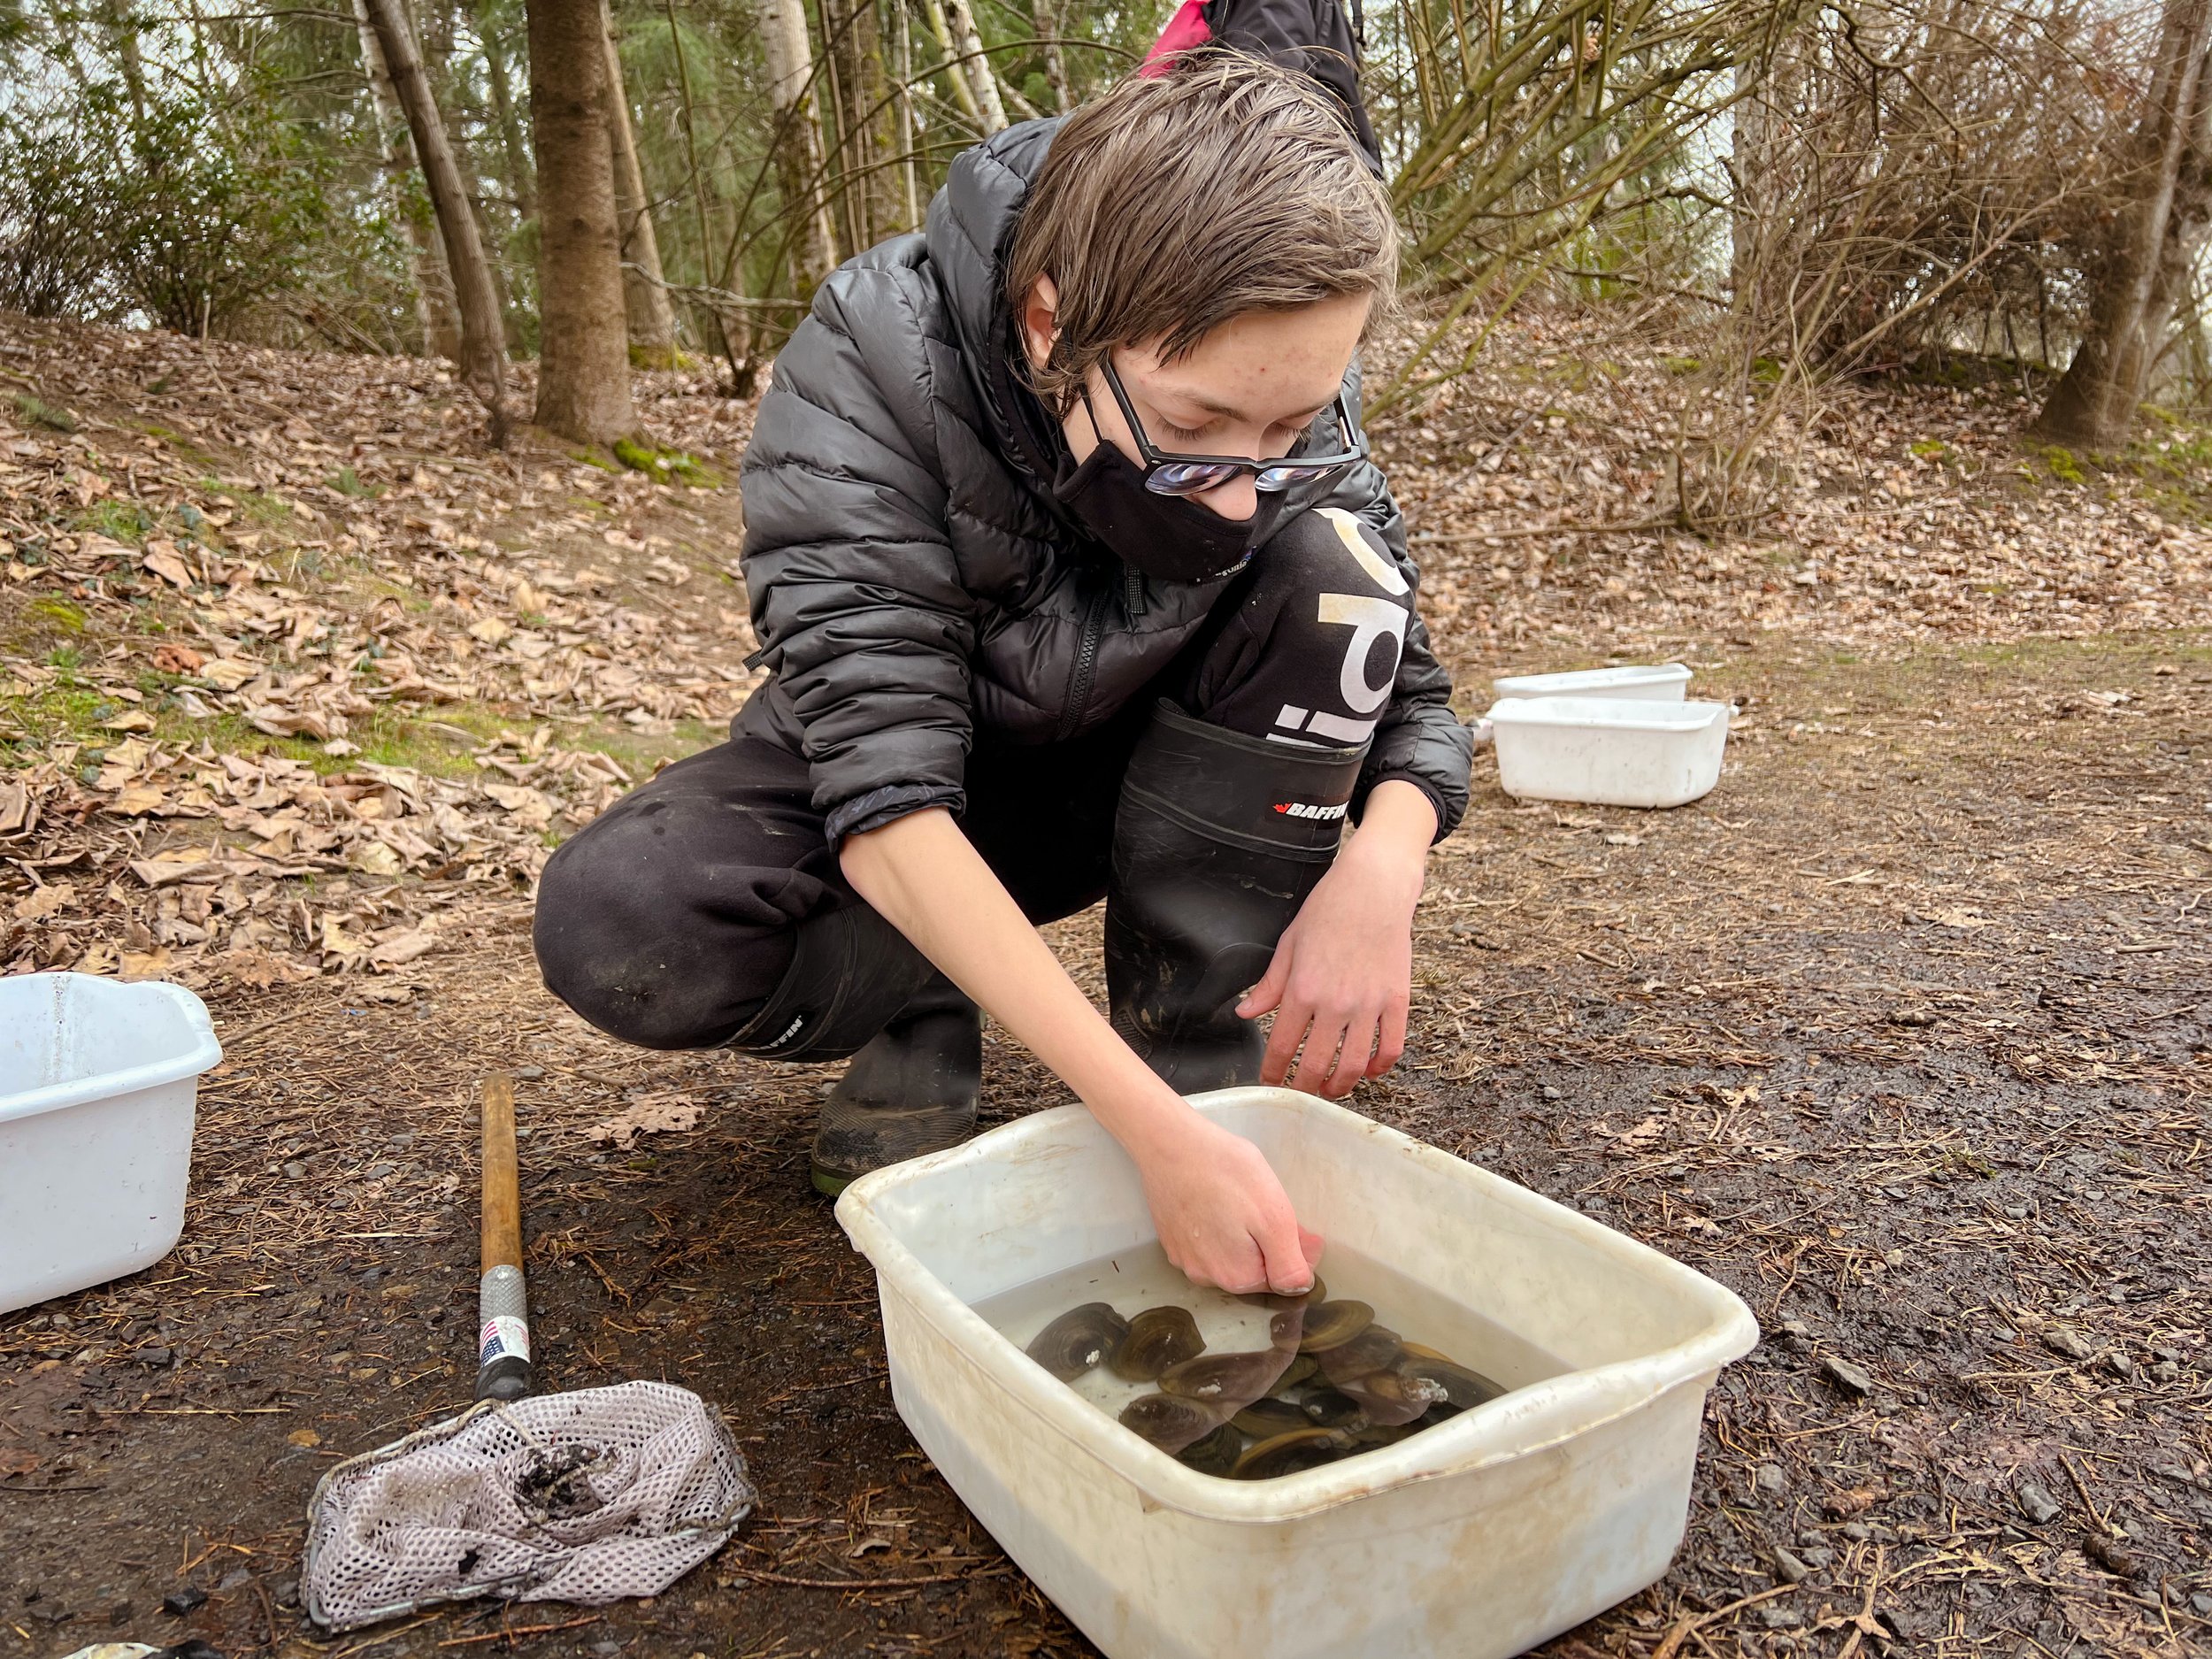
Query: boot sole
(829,1183)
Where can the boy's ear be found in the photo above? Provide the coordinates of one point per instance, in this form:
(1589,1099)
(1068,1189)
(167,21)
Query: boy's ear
(1040,320)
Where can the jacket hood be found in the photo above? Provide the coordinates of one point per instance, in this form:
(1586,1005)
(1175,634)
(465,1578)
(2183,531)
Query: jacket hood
(969,233)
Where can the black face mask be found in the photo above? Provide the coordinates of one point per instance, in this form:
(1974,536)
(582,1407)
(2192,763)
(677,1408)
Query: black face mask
(1168,537)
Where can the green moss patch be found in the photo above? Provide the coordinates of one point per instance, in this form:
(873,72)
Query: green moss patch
(669,466)
(36,412)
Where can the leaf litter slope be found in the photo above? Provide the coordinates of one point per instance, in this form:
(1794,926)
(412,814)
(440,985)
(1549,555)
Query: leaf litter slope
(1901,1033)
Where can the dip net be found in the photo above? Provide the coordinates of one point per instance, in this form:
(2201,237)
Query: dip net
(585,1497)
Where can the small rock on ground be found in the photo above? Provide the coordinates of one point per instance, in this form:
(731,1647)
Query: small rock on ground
(2037,1503)
(2063,1338)
(1848,1376)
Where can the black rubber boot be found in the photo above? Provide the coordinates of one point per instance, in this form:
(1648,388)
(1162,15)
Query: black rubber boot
(912,1089)
(1218,839)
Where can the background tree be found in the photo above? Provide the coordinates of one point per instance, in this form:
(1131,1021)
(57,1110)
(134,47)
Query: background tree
(434,311)
(797,142)
(2147,269)
(583,351)
(483,356)
(652,319)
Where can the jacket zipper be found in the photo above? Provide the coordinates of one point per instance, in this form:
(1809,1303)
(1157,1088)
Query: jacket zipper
(1086,665)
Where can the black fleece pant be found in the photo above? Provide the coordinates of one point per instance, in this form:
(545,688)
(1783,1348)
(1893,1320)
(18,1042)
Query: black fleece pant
(667,921)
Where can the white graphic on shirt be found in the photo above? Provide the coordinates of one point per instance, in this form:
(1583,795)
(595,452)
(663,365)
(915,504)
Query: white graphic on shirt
(1353,534)
(1370,620)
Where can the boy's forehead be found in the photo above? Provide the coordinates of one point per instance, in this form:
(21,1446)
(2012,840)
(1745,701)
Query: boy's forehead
(1238,391)
(1205,399)
(1267,364)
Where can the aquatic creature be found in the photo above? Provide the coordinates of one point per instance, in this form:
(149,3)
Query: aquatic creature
(1392,1397)
(1217,1453)
(1077,1339)
(1170,1422)
(1331,1407)
(1375,1348)
(1269,1416)
(1234,1380)
(1157,1338)
(1300,1370)
(1317,1329)
(1463,1389)
(1290,1454)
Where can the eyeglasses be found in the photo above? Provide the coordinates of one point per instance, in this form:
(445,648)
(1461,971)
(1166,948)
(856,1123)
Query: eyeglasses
(1166,473)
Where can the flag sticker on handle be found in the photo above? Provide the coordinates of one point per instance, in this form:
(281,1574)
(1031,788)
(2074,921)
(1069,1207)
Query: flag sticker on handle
(503,1335)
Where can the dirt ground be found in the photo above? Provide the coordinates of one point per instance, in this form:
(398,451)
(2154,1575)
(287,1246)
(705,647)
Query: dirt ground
(1904,1034)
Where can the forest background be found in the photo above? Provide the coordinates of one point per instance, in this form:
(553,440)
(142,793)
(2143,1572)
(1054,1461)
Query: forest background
(1799,191)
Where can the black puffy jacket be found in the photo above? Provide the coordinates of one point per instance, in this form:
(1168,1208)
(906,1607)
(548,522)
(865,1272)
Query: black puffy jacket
(911,576)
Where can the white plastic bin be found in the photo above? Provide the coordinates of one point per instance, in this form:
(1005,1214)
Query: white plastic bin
(97,1081)
(1608,752)
(1662,682)
(1480,1537)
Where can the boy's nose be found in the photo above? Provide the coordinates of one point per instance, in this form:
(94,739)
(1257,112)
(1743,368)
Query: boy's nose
(1238,498)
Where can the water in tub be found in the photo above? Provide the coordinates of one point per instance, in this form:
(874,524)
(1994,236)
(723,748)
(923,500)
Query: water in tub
(1389,1380)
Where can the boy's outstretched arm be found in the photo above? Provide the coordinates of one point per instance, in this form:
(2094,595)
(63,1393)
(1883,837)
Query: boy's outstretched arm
(1222,1217)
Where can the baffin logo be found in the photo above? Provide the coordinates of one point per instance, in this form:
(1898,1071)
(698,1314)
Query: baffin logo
(1300,809)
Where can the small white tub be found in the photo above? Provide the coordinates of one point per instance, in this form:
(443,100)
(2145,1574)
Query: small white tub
(97,1084)
(1479,1538)
(1662,682)
(1608,752)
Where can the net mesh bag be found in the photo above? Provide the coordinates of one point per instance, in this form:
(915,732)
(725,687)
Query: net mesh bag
(584,1497)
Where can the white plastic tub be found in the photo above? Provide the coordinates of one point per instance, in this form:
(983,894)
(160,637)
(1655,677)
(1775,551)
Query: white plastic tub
(1608,752)
(97,1081)
(1480,1537)
(1662,682)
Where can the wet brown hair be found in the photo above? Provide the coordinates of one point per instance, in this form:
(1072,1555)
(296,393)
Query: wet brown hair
(1176,202)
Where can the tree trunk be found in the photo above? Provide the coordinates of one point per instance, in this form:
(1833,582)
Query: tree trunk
(2160,231)
(483,356)
(969,45)
(785,44)
(903,45)
(122,27)
(434,316)
(522,183)
(714,313)
(867,128)
(583,355)
(1045,22)
(973,86)
(652,319)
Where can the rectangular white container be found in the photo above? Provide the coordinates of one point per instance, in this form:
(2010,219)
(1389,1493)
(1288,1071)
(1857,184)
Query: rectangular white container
(1662,682)
(1608,752)
(97,1084)
(1474,1540)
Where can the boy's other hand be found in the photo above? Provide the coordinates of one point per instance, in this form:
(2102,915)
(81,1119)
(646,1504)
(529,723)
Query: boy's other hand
(1342,976)
(1224,1219)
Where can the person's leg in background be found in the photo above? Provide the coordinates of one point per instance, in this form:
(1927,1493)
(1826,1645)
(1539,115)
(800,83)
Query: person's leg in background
(1236,796)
